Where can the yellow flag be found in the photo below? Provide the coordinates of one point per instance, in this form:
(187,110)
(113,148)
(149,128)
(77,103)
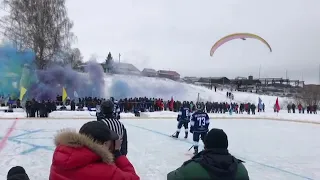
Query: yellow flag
(22,92)
(64,94)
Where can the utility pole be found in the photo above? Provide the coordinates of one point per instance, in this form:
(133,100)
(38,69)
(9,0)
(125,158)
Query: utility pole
(319,74)
(119,57)
(286,74)
(259,70)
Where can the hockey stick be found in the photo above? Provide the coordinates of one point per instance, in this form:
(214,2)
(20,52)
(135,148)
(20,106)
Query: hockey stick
(92,114)
(173,134)
(191,147)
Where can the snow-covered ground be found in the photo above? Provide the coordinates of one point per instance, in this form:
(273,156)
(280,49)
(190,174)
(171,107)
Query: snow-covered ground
(271,149)
(274,146)
(136,86)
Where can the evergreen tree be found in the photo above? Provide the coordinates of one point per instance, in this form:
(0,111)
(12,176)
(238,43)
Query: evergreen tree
(109,62)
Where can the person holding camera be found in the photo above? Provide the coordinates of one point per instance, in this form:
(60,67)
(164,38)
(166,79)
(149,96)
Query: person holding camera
(92,153)
(106,114)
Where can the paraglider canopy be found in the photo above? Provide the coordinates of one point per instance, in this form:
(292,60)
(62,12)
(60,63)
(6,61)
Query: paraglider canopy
(242,36)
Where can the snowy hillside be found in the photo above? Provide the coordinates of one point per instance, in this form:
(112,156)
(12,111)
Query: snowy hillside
(120,86)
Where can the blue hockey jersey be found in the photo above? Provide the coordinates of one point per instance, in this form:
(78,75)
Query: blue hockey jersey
(184,114)
(116,110)
(199,122)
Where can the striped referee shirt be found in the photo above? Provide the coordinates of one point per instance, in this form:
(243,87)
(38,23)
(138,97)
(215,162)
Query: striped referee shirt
(115,125)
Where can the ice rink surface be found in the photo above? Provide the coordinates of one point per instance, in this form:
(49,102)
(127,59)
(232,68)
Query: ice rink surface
(270,149)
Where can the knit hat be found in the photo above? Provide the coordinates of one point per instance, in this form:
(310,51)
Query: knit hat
(216,139)
(99,131)
(17,173)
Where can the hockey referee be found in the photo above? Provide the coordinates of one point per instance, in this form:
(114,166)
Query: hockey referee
(106,115)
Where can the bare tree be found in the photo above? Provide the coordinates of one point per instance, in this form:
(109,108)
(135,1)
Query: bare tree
(76,57)
(70,57)
(40,25)
(310,95)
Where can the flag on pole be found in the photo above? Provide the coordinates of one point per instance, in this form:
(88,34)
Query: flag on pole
(75,94)
(64,94)
(260,104)
(277,105)
(22,92)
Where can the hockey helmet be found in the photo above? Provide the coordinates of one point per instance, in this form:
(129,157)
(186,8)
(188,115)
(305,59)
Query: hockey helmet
(199,107)
(107,107)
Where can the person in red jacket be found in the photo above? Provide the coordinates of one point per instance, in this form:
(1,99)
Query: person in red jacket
(300,108)
(92,154)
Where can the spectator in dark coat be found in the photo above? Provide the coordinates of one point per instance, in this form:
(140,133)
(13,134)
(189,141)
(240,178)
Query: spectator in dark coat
(214,162)
(17,173)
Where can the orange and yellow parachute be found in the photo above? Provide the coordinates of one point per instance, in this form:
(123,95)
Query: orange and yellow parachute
(242,36)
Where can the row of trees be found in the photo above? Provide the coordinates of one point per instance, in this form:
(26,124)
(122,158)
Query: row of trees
(44,27)
(309,95)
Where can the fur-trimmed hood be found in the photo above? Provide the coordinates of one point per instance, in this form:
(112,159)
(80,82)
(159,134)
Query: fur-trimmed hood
(71,138)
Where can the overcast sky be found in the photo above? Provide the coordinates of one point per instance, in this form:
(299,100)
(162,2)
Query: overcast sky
(178,34)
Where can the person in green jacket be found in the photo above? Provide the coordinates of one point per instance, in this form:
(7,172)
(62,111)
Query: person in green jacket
(214,162)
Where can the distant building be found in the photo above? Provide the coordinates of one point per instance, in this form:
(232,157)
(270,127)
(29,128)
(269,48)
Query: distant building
(149,72)
(83,66)
(191,80)
(239,78)
(125,68)
(280,82)
(210,82)
(173,75)
(246,84)
(214,80)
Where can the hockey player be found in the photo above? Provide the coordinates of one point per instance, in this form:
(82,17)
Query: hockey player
(199,125)
(98,112)
(183,120)
(116,108)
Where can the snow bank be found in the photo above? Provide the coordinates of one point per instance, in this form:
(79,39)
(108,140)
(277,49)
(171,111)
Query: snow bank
(135,86)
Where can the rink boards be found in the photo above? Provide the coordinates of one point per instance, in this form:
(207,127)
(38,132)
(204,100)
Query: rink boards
(212,118)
